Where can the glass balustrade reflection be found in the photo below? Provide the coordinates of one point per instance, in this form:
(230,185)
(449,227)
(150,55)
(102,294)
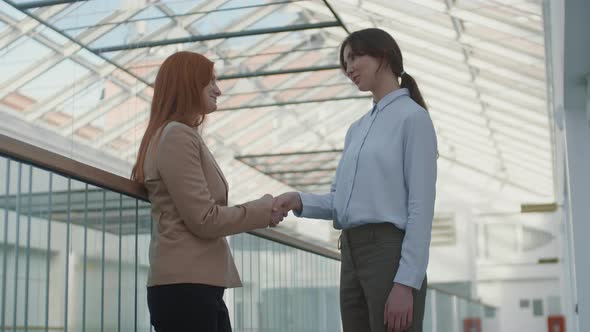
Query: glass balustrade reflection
(75,258)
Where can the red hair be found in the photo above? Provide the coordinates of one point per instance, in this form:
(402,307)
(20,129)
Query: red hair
(178,96)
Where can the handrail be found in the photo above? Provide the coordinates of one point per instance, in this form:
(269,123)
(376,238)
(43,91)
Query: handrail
(33,155)
(65,166)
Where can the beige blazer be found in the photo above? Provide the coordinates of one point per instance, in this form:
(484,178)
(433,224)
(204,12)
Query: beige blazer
(188,195)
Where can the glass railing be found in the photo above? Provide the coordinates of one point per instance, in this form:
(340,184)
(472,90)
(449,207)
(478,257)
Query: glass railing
(74,258)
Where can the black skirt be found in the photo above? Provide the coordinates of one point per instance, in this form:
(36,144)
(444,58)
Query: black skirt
(188,307)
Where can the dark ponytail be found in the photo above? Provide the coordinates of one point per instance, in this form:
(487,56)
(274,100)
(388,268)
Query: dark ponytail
(379,44)
(409,83)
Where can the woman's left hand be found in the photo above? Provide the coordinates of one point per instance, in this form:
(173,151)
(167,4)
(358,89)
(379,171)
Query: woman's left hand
(399,308)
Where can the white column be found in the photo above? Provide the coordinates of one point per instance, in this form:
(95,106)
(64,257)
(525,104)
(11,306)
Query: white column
(577,137)
(570,60)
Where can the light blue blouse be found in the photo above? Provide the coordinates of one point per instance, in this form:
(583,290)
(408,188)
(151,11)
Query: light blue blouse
(387,173)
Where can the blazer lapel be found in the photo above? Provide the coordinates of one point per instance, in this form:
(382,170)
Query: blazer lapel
(218,169)
(214,164)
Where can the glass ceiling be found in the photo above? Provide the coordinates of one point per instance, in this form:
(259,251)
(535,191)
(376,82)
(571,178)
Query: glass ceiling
(84,70)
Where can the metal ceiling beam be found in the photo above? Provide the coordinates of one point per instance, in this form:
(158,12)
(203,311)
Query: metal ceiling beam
(132,91)
(302,94)
(75,41)
(218,47)
(493,176)
(336,16)
(459,30)
(293,171)
(266,155)
(103,71)
(122,128)
(262,53)
(171,16)
(292,103)
(11,84)
(494,23)
(452,160)
(61,52)
(23,27)
(98,111)
(289,88)
(253,18)
(278,72)
(186,22)
(464,144)
(45,3)
(110,136)
(306,184)
(280,60)
(259,14)
(285,133)
(341,118)
(221,47)
(223,35)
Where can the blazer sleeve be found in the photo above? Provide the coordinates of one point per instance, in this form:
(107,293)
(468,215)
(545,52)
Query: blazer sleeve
(179,165)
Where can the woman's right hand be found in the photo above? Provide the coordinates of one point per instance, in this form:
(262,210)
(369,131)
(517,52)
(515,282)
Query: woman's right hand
(287,202)
(275,216)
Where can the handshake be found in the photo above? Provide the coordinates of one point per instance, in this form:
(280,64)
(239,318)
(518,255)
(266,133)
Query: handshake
(282,204)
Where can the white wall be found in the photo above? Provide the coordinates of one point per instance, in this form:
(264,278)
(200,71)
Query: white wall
(454,263)
(507,295)
(502,266)
(568,55)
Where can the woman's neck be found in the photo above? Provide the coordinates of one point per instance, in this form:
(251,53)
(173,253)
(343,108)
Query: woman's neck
(386,83)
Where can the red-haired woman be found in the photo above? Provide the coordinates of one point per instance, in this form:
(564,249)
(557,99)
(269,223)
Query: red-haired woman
(190,260)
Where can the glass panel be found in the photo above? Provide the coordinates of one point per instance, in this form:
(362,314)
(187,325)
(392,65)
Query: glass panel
(429,310)
(51,35)
(287,88)
(538,307)
(91,57)
(143,231)
(273,52)
(53,80)
(96,113)
(11,11)
(77,17)
(85,99)
(144,23)
(463,312)
(76,253)
(489,312)
(281,286)
(222,20)
(19,55)
(182,6)
(445,312)
(554,305)
(71,253)
(20,2)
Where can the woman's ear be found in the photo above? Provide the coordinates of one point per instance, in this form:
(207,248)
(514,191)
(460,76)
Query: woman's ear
(383,65)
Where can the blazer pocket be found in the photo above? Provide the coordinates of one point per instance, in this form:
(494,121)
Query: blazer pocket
(156,222)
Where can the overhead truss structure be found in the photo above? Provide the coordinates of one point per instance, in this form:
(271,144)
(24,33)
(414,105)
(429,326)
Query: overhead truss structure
(85,70)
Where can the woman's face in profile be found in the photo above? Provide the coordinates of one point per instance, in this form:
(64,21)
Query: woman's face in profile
(361,69)
(210,93)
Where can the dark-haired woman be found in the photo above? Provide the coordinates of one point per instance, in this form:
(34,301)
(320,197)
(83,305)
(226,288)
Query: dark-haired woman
(383,194)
